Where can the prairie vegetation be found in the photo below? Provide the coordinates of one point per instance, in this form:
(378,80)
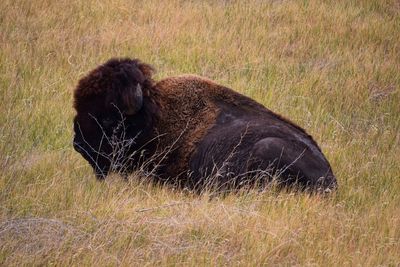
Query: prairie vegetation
(333,67)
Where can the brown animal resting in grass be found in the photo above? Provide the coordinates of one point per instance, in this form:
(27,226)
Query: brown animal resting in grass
(189,131)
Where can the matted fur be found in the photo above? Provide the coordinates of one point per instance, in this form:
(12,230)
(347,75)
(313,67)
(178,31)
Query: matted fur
(110,78)
(190,116)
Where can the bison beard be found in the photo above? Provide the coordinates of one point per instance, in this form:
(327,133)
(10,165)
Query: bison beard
(189,131)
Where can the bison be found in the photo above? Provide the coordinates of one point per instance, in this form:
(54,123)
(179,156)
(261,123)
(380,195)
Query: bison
(189,131)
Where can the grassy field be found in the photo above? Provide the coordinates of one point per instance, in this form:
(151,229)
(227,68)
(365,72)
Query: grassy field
(333,67)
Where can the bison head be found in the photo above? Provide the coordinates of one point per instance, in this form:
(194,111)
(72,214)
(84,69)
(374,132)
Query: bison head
(112,111)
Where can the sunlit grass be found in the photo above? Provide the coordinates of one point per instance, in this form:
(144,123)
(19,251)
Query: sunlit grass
(333,67)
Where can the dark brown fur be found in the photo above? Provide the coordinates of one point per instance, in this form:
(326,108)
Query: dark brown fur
(101,81)
(180,115)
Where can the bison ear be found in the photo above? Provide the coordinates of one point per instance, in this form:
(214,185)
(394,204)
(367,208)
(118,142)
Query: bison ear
(132,99)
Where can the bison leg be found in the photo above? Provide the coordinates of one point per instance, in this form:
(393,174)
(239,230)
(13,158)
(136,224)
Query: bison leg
(294,163)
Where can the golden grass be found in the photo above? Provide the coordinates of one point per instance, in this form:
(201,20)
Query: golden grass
(331,66)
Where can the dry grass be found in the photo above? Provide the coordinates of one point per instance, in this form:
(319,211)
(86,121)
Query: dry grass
(331,66)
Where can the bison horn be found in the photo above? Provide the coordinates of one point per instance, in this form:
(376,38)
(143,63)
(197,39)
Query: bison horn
(133,100)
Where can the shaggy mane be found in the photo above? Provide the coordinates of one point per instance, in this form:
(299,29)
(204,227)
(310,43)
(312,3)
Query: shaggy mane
(113,76)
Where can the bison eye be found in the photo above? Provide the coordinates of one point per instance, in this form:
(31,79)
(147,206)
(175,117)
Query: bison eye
(107,122)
